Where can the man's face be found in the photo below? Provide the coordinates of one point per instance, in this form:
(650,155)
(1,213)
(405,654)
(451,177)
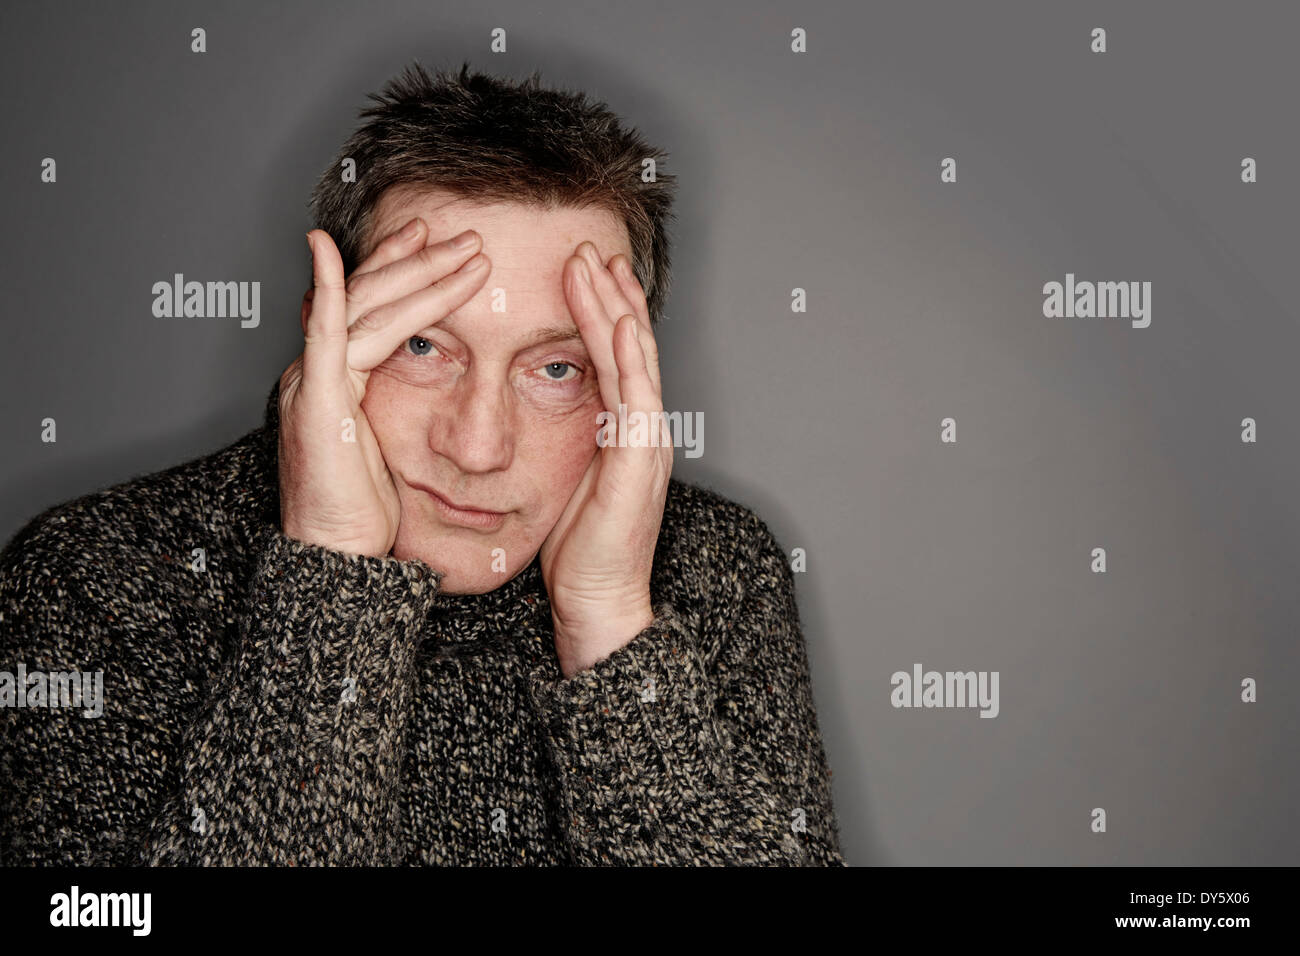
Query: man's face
(493,408)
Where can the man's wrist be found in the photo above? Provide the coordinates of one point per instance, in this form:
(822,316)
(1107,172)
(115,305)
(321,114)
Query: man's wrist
(591,644)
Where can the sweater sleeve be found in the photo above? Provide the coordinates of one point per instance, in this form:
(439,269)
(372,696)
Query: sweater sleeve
(667,759)
(292,757)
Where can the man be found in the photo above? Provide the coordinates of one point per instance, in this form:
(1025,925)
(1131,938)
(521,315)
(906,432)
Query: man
(426,614)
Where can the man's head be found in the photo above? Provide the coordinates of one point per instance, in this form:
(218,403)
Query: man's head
(483,137)
(495,407)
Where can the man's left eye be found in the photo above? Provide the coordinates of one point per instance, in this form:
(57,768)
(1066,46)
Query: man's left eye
(555,371)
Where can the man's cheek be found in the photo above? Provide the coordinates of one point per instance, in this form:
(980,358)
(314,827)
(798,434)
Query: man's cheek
(394,410)
(377,400)
(579,438)
(563,451)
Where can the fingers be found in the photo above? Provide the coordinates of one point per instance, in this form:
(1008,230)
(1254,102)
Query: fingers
(620,294)
(400,265)
(395,246)
(325,333)
(607,287)
(594,325)
(633,378)
(408,273)
(621,269)
(634,382)
(628,462)
(374,336)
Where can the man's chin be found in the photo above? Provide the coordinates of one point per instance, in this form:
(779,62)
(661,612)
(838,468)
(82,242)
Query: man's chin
(462,574)
(453,583)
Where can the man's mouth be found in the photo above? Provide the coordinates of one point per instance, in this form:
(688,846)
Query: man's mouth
(463,514)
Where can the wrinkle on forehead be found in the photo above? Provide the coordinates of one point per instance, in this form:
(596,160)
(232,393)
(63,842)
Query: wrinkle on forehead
(395,208)
(400,203)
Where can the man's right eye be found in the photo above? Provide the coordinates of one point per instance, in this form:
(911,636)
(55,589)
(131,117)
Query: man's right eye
(419,346)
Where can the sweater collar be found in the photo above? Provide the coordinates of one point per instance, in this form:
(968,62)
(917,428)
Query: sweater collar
(455,618)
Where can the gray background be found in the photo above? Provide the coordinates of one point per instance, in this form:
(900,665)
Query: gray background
(819,171)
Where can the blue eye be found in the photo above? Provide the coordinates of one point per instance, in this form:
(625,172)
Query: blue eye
(420,346)
(553,367)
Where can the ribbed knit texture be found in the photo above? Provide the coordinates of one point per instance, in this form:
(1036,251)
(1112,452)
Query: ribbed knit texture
(293,705)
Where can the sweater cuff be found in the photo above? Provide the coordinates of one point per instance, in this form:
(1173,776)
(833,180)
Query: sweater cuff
(638,724)
(297,759)
(323,617)
(304,584)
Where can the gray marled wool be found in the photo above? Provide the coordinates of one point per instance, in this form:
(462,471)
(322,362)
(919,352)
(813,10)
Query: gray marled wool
(230,734)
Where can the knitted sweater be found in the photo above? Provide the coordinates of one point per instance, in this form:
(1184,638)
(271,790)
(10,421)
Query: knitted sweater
(275,702)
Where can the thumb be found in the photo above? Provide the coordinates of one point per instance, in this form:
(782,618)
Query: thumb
(325,336)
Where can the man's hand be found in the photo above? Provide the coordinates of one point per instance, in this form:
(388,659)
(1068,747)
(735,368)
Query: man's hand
(596,561)
(335,489)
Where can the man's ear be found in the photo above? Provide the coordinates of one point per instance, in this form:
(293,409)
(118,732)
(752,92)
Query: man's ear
(306,309)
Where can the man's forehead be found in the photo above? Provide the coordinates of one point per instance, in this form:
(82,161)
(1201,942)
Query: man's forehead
(497,221)
(399,203)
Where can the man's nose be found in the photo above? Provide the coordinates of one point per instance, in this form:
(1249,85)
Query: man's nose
(476,428)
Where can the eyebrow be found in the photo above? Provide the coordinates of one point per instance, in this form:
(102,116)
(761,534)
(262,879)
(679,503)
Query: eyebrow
(550,334)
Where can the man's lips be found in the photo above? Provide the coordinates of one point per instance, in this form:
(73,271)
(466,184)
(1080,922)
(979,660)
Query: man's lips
(464,515)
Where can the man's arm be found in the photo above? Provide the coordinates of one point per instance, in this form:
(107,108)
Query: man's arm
(274,764)
(666,757)
(292,757)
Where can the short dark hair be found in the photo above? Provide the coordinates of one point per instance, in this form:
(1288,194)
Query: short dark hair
(482,137)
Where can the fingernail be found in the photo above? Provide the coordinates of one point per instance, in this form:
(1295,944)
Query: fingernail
(464,240)
(309,245)
(584,273)
(478,262)
(411,228)
(636,331)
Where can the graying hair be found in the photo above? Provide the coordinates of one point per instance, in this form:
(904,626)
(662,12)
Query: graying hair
(495,140)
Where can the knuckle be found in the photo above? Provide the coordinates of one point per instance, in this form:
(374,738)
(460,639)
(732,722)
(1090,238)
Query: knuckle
(431,256)
(394,240)
(329,283)
(370,321)
(449,286)
(317,340)
(356,286)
